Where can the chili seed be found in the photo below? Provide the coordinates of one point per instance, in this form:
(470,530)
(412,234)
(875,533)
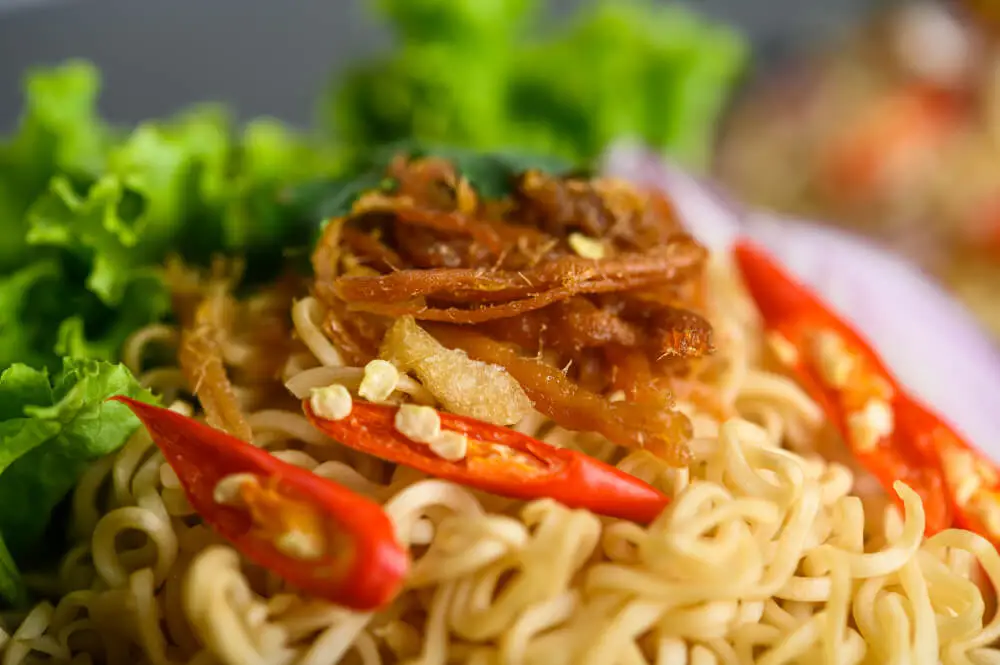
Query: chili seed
(783,349)
(332,402)
(418,423)
(448,445)
(380,380)
(868,426)
(227,491)
(300,545)
(833,359)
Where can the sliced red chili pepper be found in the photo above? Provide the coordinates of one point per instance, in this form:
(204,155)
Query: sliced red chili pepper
(501,461)
(972,478)
(321,537)
(880,423)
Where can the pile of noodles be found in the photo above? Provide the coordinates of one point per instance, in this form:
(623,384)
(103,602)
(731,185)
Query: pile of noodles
(766,554)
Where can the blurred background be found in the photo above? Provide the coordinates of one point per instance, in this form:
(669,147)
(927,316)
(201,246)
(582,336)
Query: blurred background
(879,116)
(270,57)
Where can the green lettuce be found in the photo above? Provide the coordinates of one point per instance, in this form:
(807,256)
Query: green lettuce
(479,75)
(52,426)
(59,132)
(88,213)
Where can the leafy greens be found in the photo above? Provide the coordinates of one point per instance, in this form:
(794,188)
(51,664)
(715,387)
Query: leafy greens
(88,213)
(51,428)
(477,74)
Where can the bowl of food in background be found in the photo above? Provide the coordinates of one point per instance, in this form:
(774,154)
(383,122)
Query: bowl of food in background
(893,132)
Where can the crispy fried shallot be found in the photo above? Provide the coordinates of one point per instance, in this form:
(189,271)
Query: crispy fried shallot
(514,283)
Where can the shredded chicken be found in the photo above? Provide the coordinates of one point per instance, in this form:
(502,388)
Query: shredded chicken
(501,281)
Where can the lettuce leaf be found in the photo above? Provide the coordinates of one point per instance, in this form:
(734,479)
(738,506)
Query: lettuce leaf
(28,303)
(477,75)
(635,69)
(89,212)
(51,428)
(59,131)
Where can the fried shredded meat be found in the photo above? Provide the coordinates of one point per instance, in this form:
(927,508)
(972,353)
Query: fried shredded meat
(578,288)
(201,360)
(219,332)
(648,423)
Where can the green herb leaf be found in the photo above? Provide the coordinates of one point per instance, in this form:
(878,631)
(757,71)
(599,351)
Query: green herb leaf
(473,74)
(491,174)
(59,131)
(11,586)
(93,227)
(470,21)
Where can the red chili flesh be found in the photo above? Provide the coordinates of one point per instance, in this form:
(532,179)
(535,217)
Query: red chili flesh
(360,566)
(501,461)
(797,318)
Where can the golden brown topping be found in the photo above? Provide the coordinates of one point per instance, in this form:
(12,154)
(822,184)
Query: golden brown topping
(201,360)
(223,338)
(574,287)
(651,425)
(585,246)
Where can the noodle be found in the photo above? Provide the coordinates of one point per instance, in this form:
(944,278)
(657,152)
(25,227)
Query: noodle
(765,555)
